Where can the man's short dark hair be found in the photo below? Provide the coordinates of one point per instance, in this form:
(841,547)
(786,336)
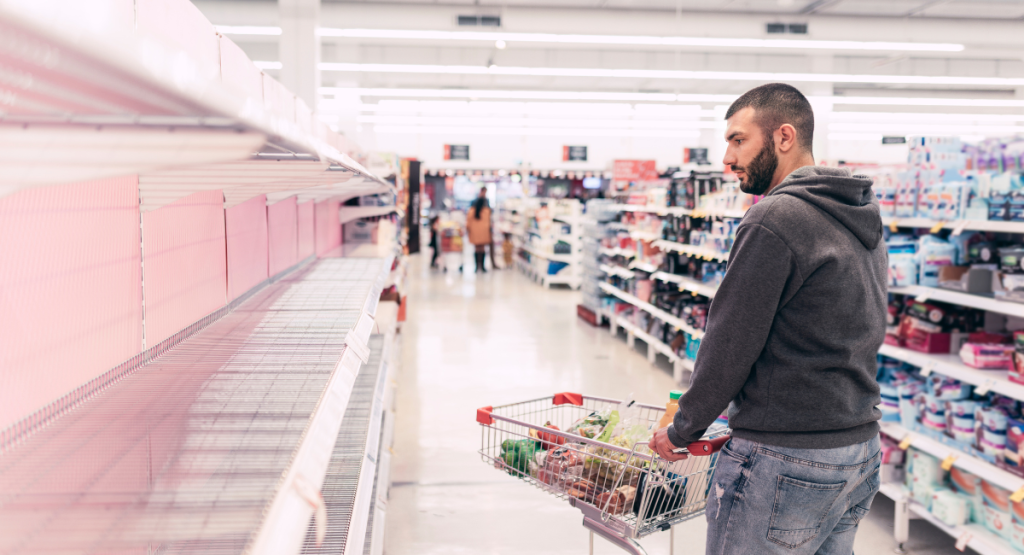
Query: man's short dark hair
(776,104)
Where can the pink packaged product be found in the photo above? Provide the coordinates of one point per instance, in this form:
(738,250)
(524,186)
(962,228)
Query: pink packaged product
(891,452)
(987,355)
(1014,450)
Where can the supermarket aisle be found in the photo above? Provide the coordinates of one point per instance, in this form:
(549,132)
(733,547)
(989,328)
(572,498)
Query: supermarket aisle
(491,339)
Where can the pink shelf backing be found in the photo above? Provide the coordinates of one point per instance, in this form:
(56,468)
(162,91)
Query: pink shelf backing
(70,289)
(186,267)
(328,228)
(246,226)
(307,230)
(283,231)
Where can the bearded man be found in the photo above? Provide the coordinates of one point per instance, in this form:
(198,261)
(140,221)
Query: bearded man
(791,344)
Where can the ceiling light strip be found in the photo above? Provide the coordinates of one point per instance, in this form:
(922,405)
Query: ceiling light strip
(672,74)
(622,40)
(534,131)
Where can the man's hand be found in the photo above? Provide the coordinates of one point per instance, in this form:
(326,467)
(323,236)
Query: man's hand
(661,445)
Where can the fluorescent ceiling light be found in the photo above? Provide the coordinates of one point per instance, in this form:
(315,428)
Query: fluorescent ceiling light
(900,117)
(247,30)
(526,123)
(268,65)
(903,101)
(673,74)
(533,131)
(915,128)
(484,36)
(869,137)
(487,93)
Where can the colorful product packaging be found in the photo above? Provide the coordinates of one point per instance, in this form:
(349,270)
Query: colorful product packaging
(1017,526)
(1013,454)
(949,507)
(995,507)
(967,486)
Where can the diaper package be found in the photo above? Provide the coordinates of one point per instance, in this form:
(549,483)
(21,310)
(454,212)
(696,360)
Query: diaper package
(995,507)
(1017,526)
(949,507)
(968,487)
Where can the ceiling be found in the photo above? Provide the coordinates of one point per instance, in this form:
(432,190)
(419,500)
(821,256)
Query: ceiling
(974,9)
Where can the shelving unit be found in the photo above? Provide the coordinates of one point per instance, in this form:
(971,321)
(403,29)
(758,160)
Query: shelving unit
(534,256)
(974,536)
(352,213)
(687,284)
(690,250)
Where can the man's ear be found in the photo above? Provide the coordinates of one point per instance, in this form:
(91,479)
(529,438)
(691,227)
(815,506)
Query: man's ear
(785,137)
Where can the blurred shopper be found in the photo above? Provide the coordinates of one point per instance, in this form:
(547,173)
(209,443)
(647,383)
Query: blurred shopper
(435,239)
(478,224)
(791,342)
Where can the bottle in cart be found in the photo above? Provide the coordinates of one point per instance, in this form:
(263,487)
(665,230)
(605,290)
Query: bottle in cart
(670,408)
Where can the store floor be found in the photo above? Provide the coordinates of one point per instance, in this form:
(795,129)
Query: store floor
(496,338)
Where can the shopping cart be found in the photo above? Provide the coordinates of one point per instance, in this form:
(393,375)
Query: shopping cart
(623,490)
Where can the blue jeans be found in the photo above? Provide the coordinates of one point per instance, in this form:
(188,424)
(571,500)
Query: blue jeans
(767,499)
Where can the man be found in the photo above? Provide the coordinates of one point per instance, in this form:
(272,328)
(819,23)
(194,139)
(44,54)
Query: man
(791,342)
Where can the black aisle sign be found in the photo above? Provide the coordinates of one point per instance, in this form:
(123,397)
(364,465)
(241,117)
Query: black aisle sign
(697,156)
(894,140)
(413,215)
(574,154)
(456,152)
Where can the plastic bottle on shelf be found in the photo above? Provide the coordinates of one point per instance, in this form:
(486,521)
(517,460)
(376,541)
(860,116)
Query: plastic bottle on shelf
(670,408)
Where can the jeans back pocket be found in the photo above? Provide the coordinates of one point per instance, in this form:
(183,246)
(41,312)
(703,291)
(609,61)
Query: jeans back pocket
(800,507)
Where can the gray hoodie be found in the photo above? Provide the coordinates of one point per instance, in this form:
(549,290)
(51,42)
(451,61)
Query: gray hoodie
(795,327)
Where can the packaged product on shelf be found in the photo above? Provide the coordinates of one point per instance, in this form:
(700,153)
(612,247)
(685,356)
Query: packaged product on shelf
(990,431)
(1011,259)
(995,507)
(926,469)
(1017,362)
(987,355)
(1013,454)
(933,253)
(1017,525)
(960,420)
(890,405)
(949,507)
(968,487)
(909,407)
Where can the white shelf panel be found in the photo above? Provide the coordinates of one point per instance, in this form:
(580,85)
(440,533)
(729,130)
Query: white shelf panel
(628,253)
(684,282)
(951,366)
(553,257)
(644,235)
(973,225)
(351,213)
(982,541)
(963,299)
(699,252)
(643,266)
(647,338)
(655,311)
(964,460)
(616,271)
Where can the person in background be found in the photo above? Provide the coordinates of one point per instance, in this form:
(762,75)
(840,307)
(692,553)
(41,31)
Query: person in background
(791,344)
(435,239)
(478,224)
(507,249)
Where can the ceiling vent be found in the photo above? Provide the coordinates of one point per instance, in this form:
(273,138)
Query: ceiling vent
(479,21)
(783,28)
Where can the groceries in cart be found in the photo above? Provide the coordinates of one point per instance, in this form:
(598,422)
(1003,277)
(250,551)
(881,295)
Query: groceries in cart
(593,452)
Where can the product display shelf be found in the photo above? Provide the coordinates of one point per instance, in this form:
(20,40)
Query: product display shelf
(236,426)
(962,459)
(951,366)
(643,266)
(653,310)
(351,213)
(355,468)
(614,270)
(146,88)
(567,258)
(654,346)
(628,253)
(974,536)
(687,283)
(969,225)
(680,211)
(638,235)
(982,302)
(699,252)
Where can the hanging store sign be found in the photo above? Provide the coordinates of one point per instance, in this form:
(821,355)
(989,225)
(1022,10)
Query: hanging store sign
(456,152)
(634,170)
(574,154)
(894,140)
(697,156)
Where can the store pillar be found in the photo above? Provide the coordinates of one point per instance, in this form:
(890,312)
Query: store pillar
(299,48)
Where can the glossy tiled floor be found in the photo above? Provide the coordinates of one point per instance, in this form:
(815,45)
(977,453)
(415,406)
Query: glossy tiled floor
(496,338)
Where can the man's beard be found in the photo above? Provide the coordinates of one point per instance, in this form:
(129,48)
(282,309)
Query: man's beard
(760,170)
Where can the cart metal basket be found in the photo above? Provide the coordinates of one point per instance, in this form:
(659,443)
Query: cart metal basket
(624,491)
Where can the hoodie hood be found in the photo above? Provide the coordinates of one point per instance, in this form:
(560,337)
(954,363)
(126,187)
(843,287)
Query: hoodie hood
(847,198)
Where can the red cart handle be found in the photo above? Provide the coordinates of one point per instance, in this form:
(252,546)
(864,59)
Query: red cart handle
(705,447)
